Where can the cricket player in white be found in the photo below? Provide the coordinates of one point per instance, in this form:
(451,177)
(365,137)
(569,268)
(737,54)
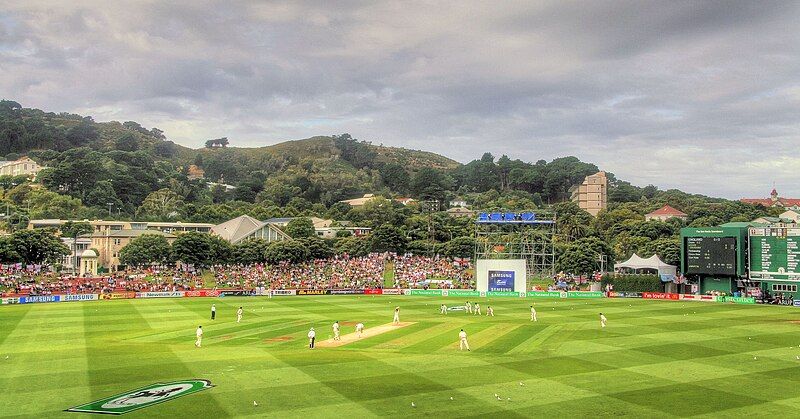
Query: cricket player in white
(239,315)
(199,334)
(533,315)
(462,336)
(396,319)
(603,320)
(213,311)
(489,311)
(359,329)
(469,307)
(311,336)
(443,309)
(477,309)
(336,331)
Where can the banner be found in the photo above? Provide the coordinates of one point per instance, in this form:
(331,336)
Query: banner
(460,293)
(701,298)
(284,292)
(544,294)
(501,281)
(201,293)
(346,292)
(585,294)
(10,300)
(129,401)
(118,295)
(437,293)
(502,294)
(79,297)
(313,292)
(392,291)
(235,293)
(660,296)
(740,300)
(624,294)
(373,291)
(162,294)
(40,299)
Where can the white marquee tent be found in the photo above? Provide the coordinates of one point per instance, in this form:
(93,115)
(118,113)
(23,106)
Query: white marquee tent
(653,263)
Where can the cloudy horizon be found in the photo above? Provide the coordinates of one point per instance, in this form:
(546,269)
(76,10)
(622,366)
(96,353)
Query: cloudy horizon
(699,96)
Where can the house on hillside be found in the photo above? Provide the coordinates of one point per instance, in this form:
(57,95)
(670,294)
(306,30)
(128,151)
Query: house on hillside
(665,213)
(460,212)
(246,227)
(774,201)
(359,202)
(21,166)
(591,195)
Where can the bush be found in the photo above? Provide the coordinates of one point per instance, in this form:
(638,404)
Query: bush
(634,283)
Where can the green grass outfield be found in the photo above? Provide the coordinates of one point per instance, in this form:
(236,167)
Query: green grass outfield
(654,359)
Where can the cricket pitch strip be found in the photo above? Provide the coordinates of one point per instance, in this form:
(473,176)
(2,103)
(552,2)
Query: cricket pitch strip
(368,333)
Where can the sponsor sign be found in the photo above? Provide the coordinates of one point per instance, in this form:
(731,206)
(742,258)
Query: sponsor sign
(462,293)
(660,296)
(373,291)
(426,292)
(10,300)
(39,299)
(201,293)
(585,294)
(313,292)
(118,295)
(502,294)
(392,291)
(235,293)
(344,292)
(284,292)
(500,281)
(164,294)
(701,298)
(129,401)
(741,300)
(544,294)
(624,294)
(797,303)
(79,297)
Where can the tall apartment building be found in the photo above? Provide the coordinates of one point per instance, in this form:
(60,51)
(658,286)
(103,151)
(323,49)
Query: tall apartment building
(592,194)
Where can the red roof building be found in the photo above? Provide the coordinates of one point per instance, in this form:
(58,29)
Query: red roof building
(665,213)
(774,201)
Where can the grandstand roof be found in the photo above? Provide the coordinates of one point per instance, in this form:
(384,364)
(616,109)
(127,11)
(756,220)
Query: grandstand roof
(241,227)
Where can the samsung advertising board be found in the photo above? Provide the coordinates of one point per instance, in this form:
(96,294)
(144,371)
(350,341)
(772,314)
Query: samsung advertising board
(501,275)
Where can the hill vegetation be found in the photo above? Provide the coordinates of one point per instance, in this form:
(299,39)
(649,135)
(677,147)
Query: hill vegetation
(125,171)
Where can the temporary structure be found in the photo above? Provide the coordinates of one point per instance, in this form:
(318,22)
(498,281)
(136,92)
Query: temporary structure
(653,263)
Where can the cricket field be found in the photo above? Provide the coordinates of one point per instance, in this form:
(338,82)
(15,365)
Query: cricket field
(655,358)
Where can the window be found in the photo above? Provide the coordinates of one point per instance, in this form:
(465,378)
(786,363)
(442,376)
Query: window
(784,288)
(117,241)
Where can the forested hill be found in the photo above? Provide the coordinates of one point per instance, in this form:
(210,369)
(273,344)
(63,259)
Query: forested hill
(124,170)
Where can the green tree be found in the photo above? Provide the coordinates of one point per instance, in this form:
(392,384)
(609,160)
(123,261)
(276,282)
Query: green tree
(221,250)
(300,227)
(583,256)
(352,246)
(668,249)
(38,246)
(388,238)
(459,247)
(8,253)
(162,204)
(250,251)
(293,251)
(318,248)
(193,248)
(147,249)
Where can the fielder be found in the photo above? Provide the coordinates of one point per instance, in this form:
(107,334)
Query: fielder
(533,315)
(199,334)
(462,336)
(336,331)
(489,311)
(396,319)
(469,307)
(311,336)
(213,311)
(603,321)
(477,309)
(360,330)
(443,309)
(239,315)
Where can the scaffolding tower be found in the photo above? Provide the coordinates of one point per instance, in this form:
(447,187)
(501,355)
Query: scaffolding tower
(518,235)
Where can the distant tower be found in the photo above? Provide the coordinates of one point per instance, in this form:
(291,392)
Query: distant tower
(774,194)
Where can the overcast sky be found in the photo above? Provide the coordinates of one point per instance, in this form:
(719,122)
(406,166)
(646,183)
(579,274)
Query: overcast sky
(701,96)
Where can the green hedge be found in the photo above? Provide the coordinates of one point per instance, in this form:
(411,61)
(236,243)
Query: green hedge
(634,283)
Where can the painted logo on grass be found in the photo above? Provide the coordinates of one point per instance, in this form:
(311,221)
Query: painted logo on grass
(129,401)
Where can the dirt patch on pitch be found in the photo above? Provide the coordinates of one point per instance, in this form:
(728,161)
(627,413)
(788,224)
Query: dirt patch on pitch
(368,333)
(278,339)
(794,321)
(348,323)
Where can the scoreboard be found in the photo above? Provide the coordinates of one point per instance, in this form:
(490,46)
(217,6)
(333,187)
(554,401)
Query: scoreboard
(775,253)
(710,255)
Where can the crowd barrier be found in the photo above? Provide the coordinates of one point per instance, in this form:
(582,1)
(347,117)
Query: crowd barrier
(378,291)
